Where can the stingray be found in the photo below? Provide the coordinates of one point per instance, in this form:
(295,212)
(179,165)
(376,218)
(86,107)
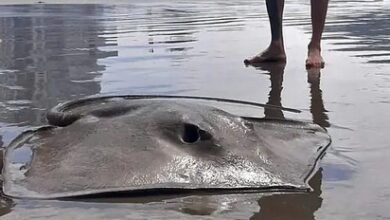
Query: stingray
(119,145)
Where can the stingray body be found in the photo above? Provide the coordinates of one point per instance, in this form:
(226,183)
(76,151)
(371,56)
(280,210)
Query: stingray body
(119,145)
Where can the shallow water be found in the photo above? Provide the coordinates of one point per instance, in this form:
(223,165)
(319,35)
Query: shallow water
(54,53)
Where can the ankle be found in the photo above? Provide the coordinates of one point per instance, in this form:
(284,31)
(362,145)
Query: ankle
(314,46)
(277,44)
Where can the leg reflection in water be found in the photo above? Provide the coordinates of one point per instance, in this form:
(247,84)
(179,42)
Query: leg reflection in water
(276,72)
(317,107)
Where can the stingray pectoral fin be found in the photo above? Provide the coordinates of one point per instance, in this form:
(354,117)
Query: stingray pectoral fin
(299,144)
(17,159)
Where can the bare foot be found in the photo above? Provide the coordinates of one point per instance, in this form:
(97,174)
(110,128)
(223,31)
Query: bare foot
(274,53)
(314,58)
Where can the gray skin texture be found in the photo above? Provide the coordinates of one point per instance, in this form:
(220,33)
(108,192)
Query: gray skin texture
(127,146)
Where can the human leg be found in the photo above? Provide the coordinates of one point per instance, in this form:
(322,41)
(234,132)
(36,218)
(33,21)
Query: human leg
(319,9)
(275,51)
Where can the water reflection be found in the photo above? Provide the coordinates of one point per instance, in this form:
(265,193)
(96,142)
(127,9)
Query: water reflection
(276,72)
(292,206)
(317,107)
(46,59)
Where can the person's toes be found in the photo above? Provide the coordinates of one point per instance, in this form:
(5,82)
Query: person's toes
(264,57)
(256,59)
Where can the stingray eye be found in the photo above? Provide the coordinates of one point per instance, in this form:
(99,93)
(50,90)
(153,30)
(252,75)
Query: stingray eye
(192,133)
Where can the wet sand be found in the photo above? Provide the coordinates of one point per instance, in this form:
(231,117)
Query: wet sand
(53,53)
